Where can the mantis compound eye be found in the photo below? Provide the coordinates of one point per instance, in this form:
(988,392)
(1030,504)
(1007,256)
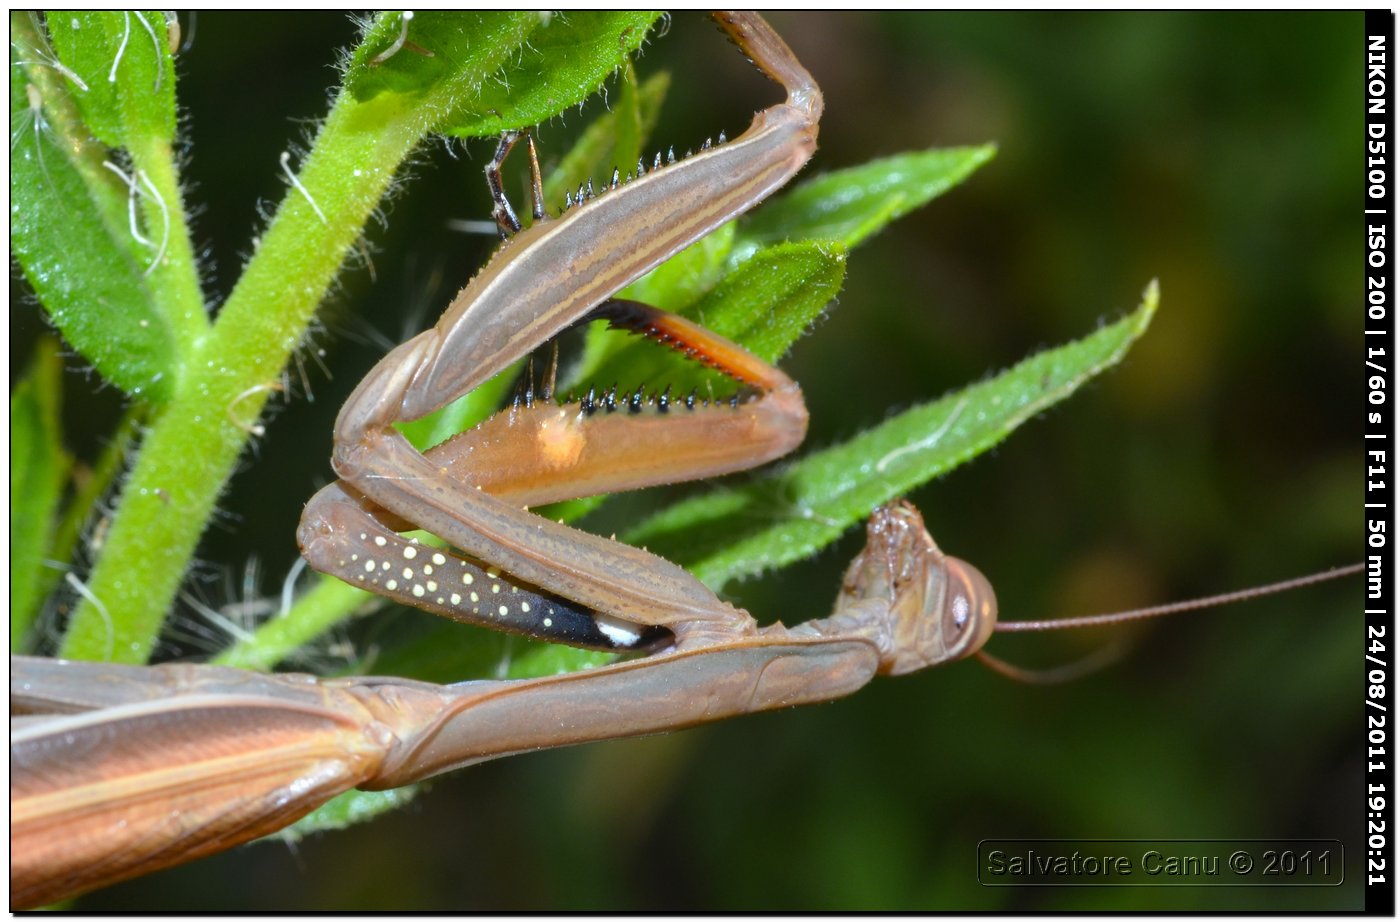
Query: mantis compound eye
(969,609)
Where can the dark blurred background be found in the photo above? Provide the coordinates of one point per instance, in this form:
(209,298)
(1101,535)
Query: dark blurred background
(1219,153)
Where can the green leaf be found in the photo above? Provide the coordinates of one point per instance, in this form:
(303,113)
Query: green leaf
(82,268)
(679,282)
(437,47)
(348,809)
(851,205)
(766,304)
(566,61)
(124,60)
(598,150)
(793,513)
(774,297)
(38,473)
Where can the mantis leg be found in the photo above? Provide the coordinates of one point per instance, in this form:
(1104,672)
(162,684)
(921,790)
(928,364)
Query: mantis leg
(549,277)
(542,452)
(501,210)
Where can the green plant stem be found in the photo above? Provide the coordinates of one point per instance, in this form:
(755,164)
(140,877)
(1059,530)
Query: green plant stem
(313,613)
(174,281)
(191,450)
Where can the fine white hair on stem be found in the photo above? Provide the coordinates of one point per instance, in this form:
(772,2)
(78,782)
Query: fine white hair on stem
(156,42)
(285,160)
(289,586)
(218,619)
(255,427)
(44,59)
(32,117)
(189,36)
(470,226)
(152,194)
(132,191)
(121,49)
(393,49)
(88,594)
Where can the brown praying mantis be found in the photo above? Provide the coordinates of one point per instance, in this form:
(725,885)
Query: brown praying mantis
(226,756)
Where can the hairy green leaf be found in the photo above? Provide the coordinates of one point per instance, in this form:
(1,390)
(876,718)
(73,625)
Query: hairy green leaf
(566,60)
(124,60)
(852,204)
(81,264)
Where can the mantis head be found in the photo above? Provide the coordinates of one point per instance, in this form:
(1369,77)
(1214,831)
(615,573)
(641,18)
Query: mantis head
(932,608)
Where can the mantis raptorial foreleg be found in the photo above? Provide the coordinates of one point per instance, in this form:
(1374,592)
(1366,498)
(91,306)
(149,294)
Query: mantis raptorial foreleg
(547,278)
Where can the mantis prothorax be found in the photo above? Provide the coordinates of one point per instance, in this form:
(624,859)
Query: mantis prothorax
(117,771)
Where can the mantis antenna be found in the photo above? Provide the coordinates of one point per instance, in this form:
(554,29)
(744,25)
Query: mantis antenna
(1108,654)
(1172,608)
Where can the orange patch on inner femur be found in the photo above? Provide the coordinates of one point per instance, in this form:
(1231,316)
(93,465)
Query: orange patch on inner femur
(560,442)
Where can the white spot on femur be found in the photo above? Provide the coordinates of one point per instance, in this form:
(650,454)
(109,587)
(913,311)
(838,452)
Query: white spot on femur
(622,633)
(384,565)
(369,566)
(417,591)
(456,599)
(475,597)
(427,569)
(439,559)
(410,552)
(380,540)
(495,587)
(407,573)
(391,585)
(525,607)
(468,579)
(432,586)
(503,611)
(549,622)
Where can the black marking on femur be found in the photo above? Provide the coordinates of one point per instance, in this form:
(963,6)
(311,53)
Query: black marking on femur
(663,402)
(616,179)
(589,403)
(611,399)
(634,403)
(690,400)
